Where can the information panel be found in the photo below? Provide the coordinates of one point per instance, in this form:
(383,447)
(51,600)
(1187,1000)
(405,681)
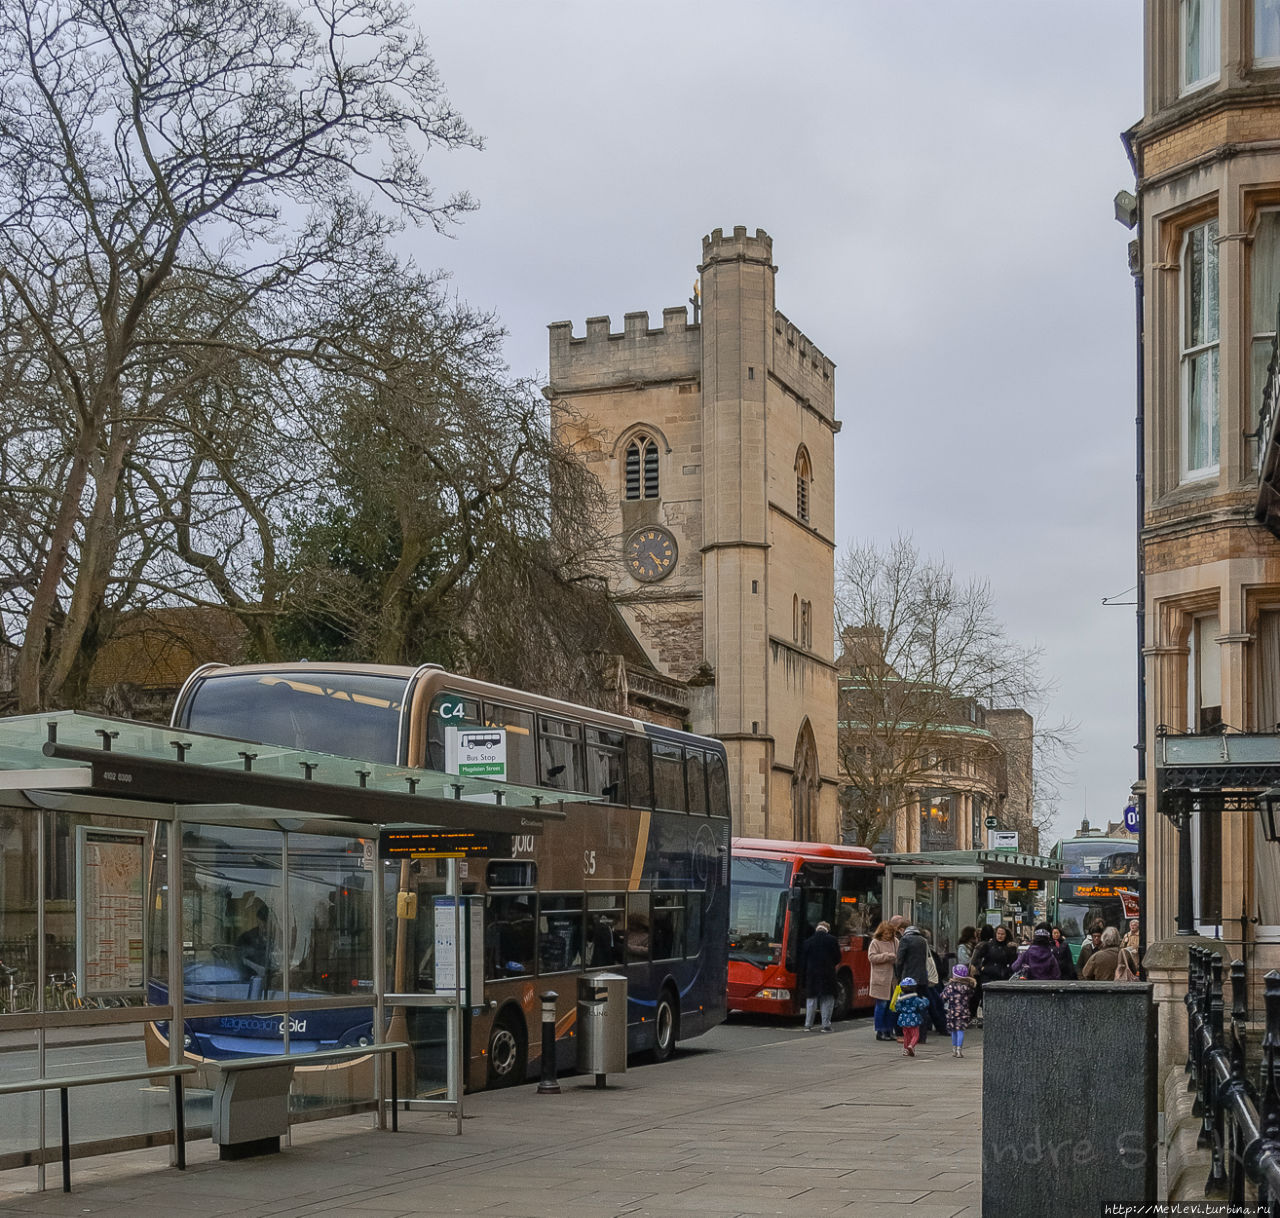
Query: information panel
(109,910)
(442,844)
(446,947)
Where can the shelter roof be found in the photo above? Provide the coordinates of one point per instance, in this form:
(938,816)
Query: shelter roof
(1002,863)
(126,759)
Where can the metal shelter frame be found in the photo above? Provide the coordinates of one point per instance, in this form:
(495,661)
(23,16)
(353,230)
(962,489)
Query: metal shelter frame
(124,770)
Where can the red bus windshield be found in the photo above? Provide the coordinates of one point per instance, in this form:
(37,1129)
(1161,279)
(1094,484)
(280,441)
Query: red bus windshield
(757,908)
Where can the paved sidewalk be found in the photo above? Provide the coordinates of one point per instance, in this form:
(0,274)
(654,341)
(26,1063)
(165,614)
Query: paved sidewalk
(747,1120)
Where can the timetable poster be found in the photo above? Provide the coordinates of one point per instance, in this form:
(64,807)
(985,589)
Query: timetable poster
(109,911)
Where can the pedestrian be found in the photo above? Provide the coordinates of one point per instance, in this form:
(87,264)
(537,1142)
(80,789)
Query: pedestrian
(913,961)
(1127,965)
(1101,965)
(937,974)
(818,960)
(913,953)
(993,961)
(913,1010)
(1062,949)
(957,997)
(967,946)
(1091,945)
(1133,938)
(1037,962)
(882,951)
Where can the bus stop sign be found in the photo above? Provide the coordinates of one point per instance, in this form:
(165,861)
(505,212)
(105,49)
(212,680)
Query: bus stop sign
(1132,818)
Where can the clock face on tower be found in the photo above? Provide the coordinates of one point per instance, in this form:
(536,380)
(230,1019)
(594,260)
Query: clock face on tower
(651,554)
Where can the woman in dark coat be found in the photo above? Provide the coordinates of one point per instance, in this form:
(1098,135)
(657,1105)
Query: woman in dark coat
(993,961)
(818,960)
(1062,949)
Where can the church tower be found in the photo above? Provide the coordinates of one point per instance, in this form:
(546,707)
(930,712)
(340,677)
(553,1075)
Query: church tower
(715,441)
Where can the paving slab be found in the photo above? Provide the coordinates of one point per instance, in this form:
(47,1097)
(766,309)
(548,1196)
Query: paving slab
(748,1120)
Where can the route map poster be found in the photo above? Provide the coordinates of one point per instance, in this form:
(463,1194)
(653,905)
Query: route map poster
(109,911)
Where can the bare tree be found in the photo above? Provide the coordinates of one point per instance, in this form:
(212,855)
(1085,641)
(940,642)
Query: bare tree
(923,653)
(436,539)
(152,154)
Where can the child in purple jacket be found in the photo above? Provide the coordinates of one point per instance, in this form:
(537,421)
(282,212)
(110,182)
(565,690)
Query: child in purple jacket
(957,999)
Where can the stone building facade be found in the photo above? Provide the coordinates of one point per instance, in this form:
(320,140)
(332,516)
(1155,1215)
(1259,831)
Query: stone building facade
(715,440)
(1206,156)
(946,763)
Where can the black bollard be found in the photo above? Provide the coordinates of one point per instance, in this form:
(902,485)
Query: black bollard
(547,1085)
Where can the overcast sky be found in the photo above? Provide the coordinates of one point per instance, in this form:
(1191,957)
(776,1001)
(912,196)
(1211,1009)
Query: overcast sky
(938,180)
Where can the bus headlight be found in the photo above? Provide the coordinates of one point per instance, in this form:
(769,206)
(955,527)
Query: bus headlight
(780,995)
(186,1040)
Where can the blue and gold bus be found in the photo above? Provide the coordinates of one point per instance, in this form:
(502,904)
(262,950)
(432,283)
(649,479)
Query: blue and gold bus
(634,879)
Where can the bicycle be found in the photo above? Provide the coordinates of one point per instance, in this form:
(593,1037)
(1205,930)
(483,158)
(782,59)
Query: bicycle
(17,996)
(62,991)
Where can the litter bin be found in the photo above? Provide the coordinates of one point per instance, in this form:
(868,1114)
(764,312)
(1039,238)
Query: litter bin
(602,1024)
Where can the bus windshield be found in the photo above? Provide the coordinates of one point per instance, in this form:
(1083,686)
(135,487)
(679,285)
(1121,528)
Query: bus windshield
(347,714)
(1099,856)
(757,908)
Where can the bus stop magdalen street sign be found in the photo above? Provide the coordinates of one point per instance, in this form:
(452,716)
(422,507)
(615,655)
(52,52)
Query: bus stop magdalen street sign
(479,752)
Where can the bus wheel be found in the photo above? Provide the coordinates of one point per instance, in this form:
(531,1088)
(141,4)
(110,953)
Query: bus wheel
(506,1051)
(844,997)
(667,1029)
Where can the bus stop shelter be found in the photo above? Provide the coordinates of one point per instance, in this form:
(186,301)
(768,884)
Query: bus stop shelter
(245,897)
(943,891)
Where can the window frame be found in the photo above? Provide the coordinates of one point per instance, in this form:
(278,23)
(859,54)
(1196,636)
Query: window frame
(549,740)
(641,473)
(1262,329)
(1206,25)
(1264,61)
(1206,233)
(804,486)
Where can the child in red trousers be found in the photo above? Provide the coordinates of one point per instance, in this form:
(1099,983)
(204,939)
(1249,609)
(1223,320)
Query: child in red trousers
(912,1010)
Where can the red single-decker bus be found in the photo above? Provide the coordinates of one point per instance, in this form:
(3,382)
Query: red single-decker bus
(780,891)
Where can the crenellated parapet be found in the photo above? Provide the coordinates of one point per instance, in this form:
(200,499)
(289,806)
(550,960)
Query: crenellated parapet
(638,355)
(738,247)
(802,367)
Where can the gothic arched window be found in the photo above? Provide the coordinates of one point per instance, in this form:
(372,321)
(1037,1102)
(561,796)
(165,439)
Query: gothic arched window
(804,476)
(642,469)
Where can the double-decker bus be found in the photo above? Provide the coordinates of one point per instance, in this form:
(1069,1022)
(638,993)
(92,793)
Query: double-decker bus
(780,891)
(633,879)
(1101,883)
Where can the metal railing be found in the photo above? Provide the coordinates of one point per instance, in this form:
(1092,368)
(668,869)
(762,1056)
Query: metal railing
(1239,1118)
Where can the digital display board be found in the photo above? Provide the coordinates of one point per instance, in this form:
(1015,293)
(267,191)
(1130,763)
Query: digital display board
(1101,890)
(442,844)
(995,885)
